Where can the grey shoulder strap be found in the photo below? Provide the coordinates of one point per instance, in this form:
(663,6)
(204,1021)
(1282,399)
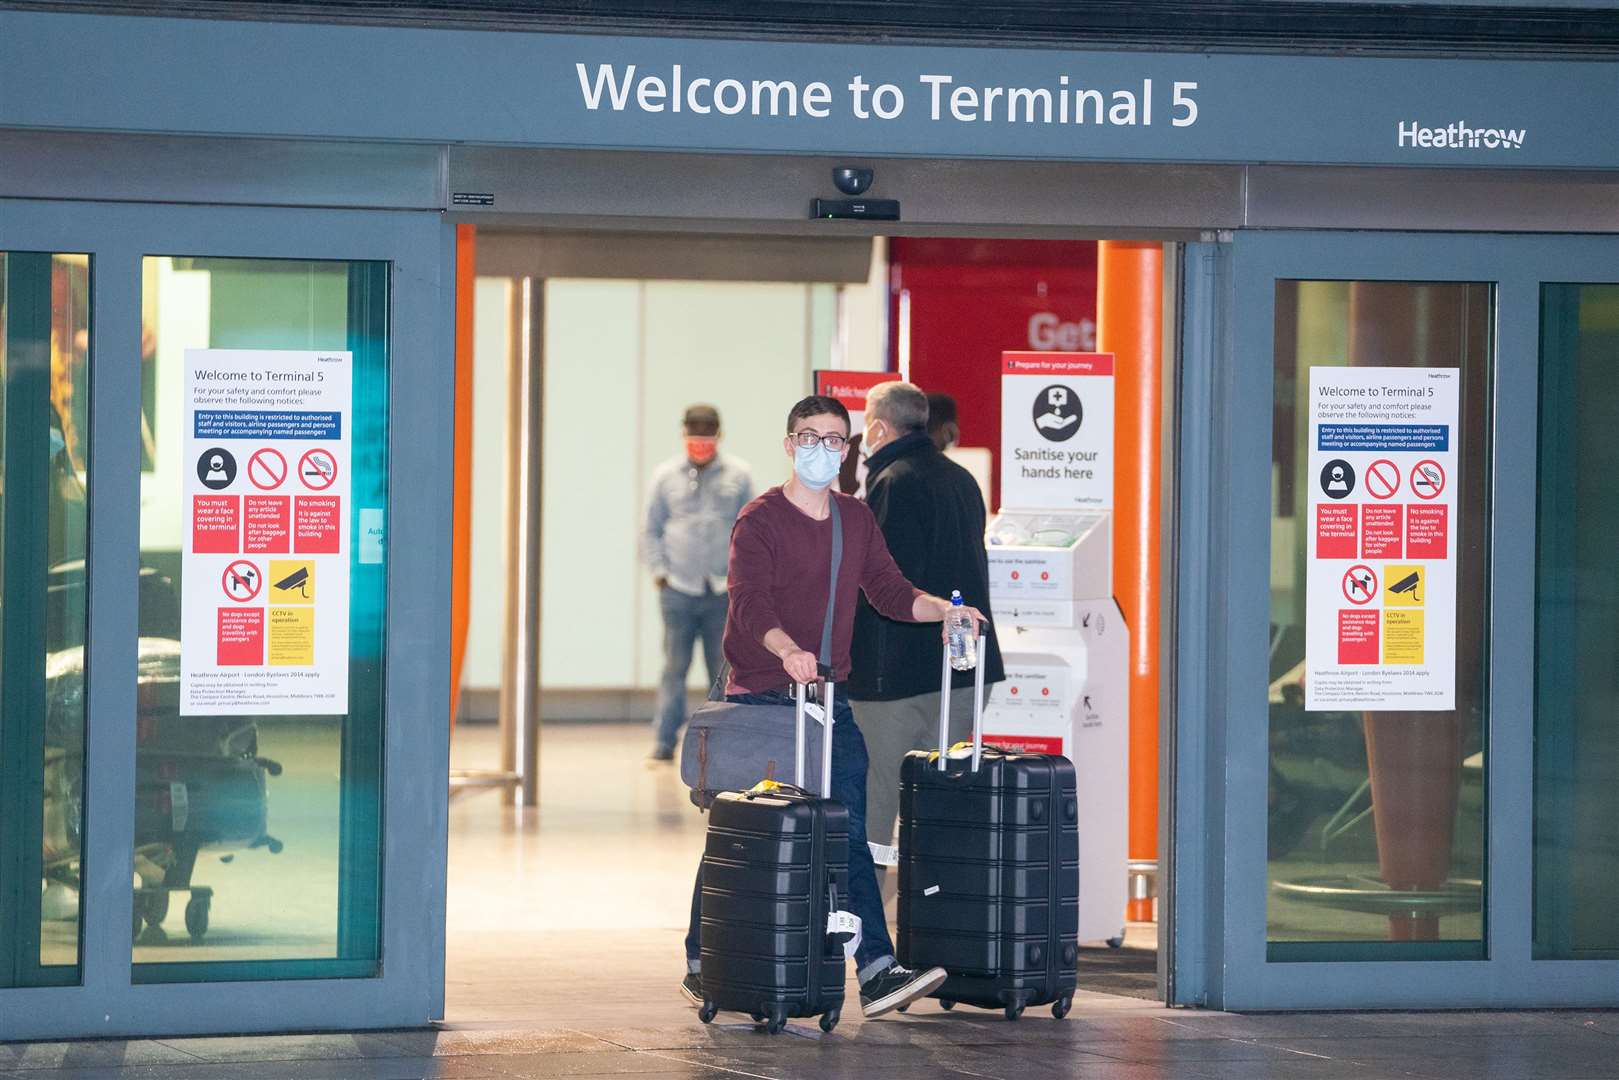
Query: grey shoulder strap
(825,656)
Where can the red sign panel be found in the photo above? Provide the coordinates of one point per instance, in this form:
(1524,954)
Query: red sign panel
(1026,744)
(1427,532)
(1358,636)
(269,525)
(1335,530)
(241,636)
(319,532)
(1380,532)
(215,524)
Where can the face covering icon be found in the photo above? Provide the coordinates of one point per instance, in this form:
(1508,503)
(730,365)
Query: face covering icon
(816,466)
(216,468)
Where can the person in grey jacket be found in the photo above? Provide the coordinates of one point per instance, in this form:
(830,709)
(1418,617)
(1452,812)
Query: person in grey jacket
(693,502)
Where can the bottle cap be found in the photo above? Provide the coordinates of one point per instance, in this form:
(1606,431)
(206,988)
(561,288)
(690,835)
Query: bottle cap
(955,597)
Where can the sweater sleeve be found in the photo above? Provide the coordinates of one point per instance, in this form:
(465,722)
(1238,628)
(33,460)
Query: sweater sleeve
(889,590)
(749,578)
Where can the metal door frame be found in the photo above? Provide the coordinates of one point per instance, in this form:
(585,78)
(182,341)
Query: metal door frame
(1222,587)
(409,988)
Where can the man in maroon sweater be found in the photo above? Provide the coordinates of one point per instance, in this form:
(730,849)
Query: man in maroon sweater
(780,564)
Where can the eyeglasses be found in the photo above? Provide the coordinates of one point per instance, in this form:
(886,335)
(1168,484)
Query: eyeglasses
(807,439)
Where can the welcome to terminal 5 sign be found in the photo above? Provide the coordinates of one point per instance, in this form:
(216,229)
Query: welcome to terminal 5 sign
(555,90)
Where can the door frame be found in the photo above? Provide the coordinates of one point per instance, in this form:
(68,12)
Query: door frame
(408,989)
(1222,586)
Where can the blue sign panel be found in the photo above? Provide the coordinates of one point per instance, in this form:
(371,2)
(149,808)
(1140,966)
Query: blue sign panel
(554,90)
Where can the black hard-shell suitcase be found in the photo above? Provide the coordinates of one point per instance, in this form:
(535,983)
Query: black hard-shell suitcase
(775,866)
(989,872)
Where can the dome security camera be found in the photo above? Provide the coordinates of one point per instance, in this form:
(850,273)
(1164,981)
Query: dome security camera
(853,181)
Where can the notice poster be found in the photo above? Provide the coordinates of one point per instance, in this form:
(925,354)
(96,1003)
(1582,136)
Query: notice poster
(1380,590)
(265,548)
(1056,431)
(851,388)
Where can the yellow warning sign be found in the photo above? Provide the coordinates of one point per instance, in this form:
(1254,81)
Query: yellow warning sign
(1403,586)
(292,638)
(292,581)
(1402,636)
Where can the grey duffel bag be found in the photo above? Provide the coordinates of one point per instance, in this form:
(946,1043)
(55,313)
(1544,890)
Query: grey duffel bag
(731,747)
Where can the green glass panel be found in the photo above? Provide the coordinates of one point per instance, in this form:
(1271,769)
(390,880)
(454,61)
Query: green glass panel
(1350,880)
(269,823)
(1576,839)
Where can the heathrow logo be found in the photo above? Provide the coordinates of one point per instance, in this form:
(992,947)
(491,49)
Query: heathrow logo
(1458,136)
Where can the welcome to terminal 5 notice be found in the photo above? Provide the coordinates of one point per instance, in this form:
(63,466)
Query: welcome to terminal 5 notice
(1380,590)
(265,593)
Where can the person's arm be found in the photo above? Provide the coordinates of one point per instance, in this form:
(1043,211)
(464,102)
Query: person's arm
(753,607)
(653,552)
(892,593)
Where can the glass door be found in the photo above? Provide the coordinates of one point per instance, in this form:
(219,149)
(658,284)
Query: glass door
(1409,622)
(222,682)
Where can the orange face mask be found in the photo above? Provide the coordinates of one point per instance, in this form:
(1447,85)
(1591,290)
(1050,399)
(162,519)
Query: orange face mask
(700,449)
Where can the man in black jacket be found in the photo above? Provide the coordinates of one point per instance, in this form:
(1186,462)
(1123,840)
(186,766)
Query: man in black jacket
(932,516)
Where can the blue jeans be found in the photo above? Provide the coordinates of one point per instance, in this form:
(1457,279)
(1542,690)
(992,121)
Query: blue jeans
(876,950)
(686,618)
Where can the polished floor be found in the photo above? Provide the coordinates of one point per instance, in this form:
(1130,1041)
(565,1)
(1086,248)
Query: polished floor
(564,951)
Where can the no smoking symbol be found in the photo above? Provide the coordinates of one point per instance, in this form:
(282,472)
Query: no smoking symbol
(1427,479)
(267,469)
(1383,479)
(318,468)
(1360,584)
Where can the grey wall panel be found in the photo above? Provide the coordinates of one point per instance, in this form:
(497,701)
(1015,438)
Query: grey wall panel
(749,191)
(1289,197)
(673,256)
(243,172)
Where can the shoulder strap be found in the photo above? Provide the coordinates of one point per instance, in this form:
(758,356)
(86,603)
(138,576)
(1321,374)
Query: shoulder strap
(832,589)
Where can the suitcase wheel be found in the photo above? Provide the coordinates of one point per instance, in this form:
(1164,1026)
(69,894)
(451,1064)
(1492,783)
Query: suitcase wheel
(1060,1007)
(946,1004)
(759,1018)
(197,909)
(1014,1010)
(829,1020)
(1115,942)
(707,1012)
(777,1021)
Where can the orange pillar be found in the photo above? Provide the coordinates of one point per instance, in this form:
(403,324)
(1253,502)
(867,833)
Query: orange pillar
(466,271)
(1129,324)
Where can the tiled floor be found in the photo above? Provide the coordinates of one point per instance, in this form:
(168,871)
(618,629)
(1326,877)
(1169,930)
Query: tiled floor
(564,946)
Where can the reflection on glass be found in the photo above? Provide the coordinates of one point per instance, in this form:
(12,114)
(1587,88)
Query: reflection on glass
(1577,626)
(257,838)
(44,359)
(1376,819)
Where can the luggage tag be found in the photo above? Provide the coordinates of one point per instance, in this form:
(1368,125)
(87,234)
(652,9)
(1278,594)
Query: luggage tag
(839,923)
(814,711)
(883,854)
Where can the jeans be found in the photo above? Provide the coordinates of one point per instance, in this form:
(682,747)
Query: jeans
(876,951)
(685,619)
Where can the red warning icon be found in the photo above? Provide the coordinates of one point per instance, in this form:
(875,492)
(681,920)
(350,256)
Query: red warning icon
(318,469)
(267,469)
(1427,479)
(242,581)
(1360,584)
(1383,479)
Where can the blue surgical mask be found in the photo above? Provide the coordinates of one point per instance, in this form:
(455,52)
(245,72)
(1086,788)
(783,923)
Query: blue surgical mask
(816,466)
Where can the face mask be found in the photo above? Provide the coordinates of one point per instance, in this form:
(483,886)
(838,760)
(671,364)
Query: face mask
(701,448)
(816,466)
(58,443)
(868,444)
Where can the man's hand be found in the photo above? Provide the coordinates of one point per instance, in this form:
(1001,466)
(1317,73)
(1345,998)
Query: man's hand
(973,613)
(660,583)
(800,665)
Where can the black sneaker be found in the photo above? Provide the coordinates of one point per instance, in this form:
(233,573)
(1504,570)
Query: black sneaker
(692,987)
(895,986)
(660,754)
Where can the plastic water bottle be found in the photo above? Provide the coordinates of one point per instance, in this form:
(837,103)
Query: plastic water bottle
(963,643)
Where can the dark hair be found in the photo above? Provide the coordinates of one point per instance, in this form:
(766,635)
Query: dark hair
(702,420)
(941,411)
(817,405)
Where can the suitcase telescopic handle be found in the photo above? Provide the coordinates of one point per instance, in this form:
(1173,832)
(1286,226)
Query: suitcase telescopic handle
(825,694)
(978,706)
